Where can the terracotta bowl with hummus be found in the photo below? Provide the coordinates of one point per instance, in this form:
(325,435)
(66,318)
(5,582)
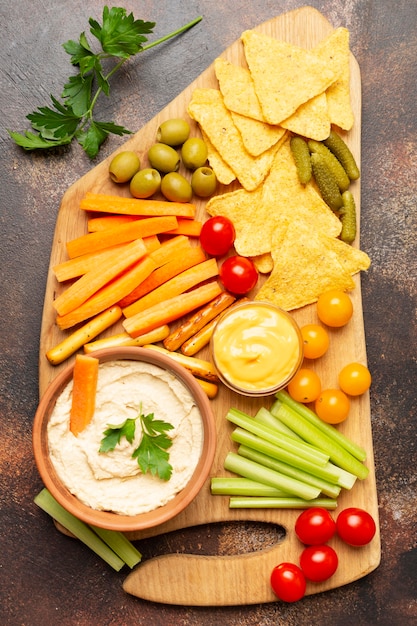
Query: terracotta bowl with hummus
(97,475)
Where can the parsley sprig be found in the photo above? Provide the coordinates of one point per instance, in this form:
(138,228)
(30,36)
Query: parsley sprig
(120,36)
(151,454)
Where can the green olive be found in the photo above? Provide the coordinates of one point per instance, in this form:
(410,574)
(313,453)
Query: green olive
(194,153)
(124,166)
(145,183)
(176,188)
(204,182)
(173,132)
(163,158)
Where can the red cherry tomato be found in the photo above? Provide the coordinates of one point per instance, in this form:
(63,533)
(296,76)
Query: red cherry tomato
(288,582)
(238,274)
(355,526)
(217,235)
(318,562)
(315,526)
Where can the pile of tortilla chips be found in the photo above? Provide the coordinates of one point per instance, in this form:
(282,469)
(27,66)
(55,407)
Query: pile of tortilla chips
(247,122)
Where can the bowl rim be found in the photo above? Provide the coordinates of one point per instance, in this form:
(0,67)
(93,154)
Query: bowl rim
(107,519)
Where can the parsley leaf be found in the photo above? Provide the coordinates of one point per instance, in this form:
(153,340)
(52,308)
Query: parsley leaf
(120,36)
(113,434)
(151,453)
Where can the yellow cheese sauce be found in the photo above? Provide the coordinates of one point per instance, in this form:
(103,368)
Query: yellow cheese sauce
(256,348)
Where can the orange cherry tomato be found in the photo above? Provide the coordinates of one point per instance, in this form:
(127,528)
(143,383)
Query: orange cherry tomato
(355,379)
(334,308)
(332,406)
(315,340)
(305,386)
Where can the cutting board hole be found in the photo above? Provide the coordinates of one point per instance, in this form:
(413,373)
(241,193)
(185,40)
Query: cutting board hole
(220,538)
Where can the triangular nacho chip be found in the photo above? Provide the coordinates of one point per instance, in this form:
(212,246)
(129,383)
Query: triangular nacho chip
(238,90)
(311,119)
(285,76)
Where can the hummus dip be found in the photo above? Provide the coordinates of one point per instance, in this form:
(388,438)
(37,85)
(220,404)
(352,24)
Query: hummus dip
(113,481)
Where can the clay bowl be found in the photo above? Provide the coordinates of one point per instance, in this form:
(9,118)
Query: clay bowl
(109,520)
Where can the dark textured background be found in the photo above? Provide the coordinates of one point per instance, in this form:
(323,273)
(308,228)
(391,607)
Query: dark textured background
(47,578)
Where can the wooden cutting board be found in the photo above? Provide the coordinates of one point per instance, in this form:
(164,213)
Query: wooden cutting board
(239,579)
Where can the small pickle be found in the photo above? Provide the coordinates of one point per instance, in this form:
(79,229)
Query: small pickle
(334,165)
(326,182)
(348,218)
(342,151)
(301,155)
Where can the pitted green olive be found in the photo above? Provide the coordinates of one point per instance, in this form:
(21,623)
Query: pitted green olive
(173,132)
(124,166)
(194,153)
(163,158)
(176,188)
(204,182)
(145,183)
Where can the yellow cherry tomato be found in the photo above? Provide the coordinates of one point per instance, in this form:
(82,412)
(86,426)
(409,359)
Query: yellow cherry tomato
(305,386)
(332,406)
(315,340)
(355,379)
(334,308)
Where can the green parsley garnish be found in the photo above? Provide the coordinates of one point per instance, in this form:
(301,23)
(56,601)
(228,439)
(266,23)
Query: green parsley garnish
(151,454)
(120,36)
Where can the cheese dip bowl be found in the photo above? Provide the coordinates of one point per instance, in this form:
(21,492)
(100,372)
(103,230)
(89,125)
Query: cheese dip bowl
(108,489)
(256,348)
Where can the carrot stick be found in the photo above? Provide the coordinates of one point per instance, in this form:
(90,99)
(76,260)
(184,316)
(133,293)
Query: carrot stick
(191,228)
(92,242)
(171,248)
(84,390)
(73,268)
(108,295)
(59,353)
(175,286)
(198,320)
(97,224)
(172,309)
(124,339)
(105,203)
(163,274)
(96,278)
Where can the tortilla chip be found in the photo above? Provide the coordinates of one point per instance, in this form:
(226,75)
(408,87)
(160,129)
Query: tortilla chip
(263,263)
(285,76)
(257,136)
(351,259)
(208,109)
(304,268)
(224,174)
(238,90)
(311,119)
(335,52)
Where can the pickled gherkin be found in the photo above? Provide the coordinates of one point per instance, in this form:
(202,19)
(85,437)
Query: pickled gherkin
(348,218)
(342,152)
(326,182)
(337,169)
(301,155)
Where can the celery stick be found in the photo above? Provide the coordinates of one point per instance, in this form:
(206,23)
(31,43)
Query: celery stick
(325,487)
(279,503)
(354,449)
(255,471)
(231,486)
(266,418)
(80,530)
(120,544)
(308,452)
(346,479)
(340,456)
(240,435)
